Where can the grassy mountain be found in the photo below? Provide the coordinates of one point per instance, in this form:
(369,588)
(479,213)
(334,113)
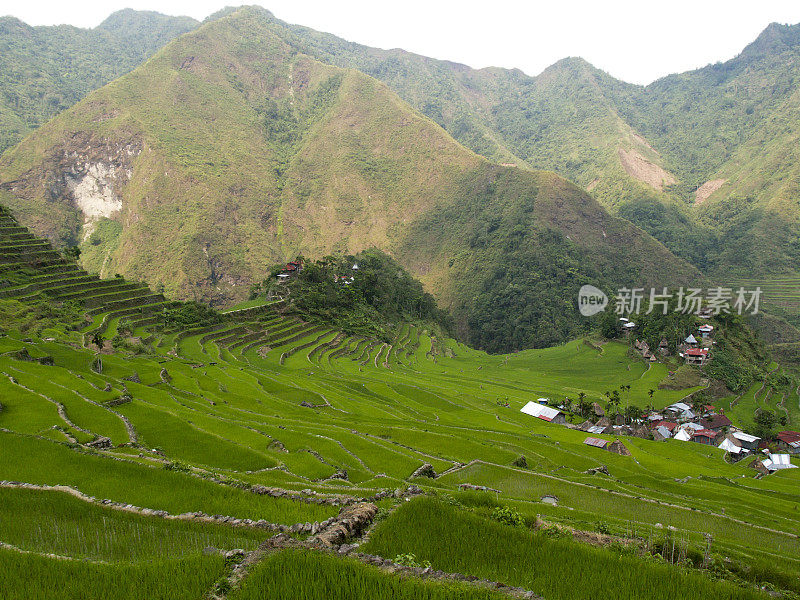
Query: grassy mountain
(563,120)
(698,119)
(642,151)
(230,150)
(567,119)
(44,70)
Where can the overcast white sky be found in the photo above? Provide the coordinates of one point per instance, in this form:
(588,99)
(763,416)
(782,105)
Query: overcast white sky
(637,41)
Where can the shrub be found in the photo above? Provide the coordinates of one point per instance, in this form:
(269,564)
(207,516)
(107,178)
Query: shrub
(509,516)
(410,560)
(602,527)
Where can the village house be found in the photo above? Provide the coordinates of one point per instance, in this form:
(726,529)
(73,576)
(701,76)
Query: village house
(661,433)
(545,413)
(716,423)
(778,462)
(618,447)
(678,408)
(696,356)
(291,269)
(596,442)
(684,434)
(705,436)
(789,441)
(670,426)
(705,331)
(747,441)
(734,446)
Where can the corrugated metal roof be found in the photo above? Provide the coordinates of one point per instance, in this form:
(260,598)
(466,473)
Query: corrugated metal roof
(596,429)
(679,406)
(697,351)
(535,409)
(779,461)
(790,437)
(729,446)
(745,437)
(683,436)
(664,431)
(596,442)
(705,433)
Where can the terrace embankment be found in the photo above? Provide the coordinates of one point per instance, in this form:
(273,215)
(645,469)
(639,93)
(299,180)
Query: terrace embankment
(352,522)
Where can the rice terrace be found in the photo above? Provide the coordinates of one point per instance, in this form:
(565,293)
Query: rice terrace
(287,317)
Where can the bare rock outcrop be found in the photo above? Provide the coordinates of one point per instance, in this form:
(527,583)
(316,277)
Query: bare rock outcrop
(352,520)
(425,470)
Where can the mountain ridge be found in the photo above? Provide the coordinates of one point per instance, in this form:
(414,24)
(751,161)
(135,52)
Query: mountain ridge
(266,153)
(46,69)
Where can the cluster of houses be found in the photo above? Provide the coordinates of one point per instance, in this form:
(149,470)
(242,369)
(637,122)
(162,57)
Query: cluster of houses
(700,424)
(345,279)
(691,350)
(292,268)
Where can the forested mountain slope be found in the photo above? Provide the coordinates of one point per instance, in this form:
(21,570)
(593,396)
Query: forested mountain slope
(44,70)
(230,151)
(647,152)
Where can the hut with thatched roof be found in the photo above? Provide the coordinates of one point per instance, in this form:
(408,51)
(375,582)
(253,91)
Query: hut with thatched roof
(618,447)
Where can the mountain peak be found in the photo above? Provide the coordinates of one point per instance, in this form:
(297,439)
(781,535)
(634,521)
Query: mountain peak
(9,24)
(571,63)
(775,38)
(122,21)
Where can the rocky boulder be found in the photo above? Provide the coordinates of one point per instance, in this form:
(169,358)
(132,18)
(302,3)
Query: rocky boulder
(425,470)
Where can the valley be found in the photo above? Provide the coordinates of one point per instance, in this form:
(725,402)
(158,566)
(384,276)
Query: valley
(287,316)
(171,438)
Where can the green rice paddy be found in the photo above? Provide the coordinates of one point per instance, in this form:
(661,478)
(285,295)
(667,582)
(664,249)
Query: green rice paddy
(197,419)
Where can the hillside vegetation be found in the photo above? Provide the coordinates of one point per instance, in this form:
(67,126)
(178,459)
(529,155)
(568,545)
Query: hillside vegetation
(45,70)
(150,440)
(230,151)
(643,151)
(722,137)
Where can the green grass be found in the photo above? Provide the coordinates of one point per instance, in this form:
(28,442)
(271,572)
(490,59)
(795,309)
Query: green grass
(27,577)
(244,417)
(308,575)
(456,541)
(58,523)
(42,462)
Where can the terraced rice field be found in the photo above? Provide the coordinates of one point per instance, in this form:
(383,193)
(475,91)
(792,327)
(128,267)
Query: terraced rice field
(783,292)
(206,416)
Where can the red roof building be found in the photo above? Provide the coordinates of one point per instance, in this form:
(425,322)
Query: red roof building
(696,356)
(704,436)
(789,441)
(670,425)
(716,422)
(596,442)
